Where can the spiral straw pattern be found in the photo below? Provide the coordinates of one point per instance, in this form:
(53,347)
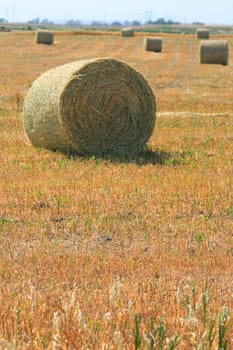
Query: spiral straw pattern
(92,107)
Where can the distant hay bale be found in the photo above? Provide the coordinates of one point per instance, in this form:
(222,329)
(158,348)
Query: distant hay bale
(4,29)
(153,44)
(44,37)
(214,51)
(203,33)
(127,32)
(91,106)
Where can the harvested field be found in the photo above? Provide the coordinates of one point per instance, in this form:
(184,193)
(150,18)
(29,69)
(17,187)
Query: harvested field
(119,252)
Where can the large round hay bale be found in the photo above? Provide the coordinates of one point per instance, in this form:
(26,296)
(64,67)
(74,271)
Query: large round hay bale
(92,107)
(127,32)
(203,33)
(214,51)
(153,44)
(44,37)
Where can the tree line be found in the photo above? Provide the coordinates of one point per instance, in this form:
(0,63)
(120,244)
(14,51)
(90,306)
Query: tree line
(94,23)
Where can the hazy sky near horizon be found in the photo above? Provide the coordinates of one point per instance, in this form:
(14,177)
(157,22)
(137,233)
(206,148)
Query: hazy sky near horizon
(207,11)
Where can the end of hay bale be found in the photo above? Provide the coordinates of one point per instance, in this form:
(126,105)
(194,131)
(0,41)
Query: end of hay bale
(127,32)
(152,44)
(214,52)
(44,37)
(4,29)
(203,33)
(95,106)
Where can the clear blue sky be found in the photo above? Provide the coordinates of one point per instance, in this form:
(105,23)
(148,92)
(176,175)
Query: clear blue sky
(187,11)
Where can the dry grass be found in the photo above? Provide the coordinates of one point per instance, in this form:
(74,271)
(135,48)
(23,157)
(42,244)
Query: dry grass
(119,253)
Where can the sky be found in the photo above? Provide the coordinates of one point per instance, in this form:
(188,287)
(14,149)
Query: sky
(184,11)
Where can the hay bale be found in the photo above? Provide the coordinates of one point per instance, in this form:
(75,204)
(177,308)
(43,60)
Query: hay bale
(153,44)
(91,107)
(203,33)
(127,32)
(44,37)
(4,29)
(214,51)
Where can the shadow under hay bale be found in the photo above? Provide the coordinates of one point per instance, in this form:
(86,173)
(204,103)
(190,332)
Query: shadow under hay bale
(152,44)
(90,107)
(214,51)
(127,32)
(203,33)
(44,37)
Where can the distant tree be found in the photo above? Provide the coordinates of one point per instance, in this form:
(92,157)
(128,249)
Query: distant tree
(162,21)
(73,23)
(34,21)
(3,20)
(149,22)
(46,21)
(116,24)
(170,21)
(136,23)
(198,23)
(96,24)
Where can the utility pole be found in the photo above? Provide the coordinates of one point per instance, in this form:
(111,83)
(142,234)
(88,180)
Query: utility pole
(148,16)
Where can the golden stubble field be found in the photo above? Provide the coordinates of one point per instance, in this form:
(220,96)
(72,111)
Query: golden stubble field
(119,253)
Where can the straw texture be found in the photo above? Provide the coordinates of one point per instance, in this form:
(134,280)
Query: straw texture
(203,33)
(92,107)
(44,37)
(214,51)
(127,32)
(153,44)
